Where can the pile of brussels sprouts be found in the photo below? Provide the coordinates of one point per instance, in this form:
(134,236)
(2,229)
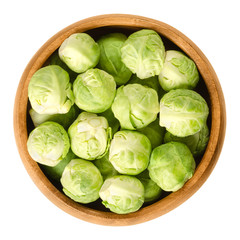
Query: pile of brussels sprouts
(117,119)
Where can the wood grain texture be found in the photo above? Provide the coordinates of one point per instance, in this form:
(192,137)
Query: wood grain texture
(207,163)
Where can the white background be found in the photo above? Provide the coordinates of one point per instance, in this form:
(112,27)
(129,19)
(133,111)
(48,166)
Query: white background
(212,212)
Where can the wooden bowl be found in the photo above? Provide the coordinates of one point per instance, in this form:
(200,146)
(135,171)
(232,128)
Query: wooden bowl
(209,87)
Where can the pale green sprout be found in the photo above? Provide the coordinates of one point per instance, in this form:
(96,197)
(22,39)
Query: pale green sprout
(55,172)
(171,165)
(154,132)
(48,143)
(183,112)
(196,142)
(143,53)
(130,152)
(178,71)
(94,90)
(135,106)
(110,57)
(90,136)
(63,119)
(105,167)
(122,194)
(80,52)
(81,181)
(152,191)
(49,91)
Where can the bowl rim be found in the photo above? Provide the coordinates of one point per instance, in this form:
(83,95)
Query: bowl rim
(173,200)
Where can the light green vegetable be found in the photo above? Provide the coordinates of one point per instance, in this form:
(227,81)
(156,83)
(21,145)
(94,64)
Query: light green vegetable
(80,52)
(183,112)
(63,119)
(151,190)
(171,165)
(48,143)
(55,172)
(81,181)
(90,136)
(135,106)
(105,167)
(154,132)
(49,90)
(122,194)
(178,71)
(130,152)
(143,53)
(196,142)
(110,57)
(94,90)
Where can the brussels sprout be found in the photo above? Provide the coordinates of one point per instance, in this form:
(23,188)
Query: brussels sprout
(55,172)
(112,121)
(94,90)
(183,112)
(129,152)
(178,71)
(196,142)
(90,136)
(80,52)
(48,143)
(143,53)
(151,190)
(110,57)
(55,60)
(135,106)
(105,167)
(171,165)
(49,90)
(63,119)
(81,181)
(122,194)
(154,132)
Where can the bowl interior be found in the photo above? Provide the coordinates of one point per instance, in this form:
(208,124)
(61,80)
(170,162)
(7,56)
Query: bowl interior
(96,33)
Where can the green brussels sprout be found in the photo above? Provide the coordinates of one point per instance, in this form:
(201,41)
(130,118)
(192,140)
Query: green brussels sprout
(135,106)
(110,57)
(129,152)
(183,112)
(122,194)
(105,167)
(178,71)
(196,142)
(154,132)
(171,165)
(49,90)
(81,181)
(55,60)
(112,121)
(80,52)
(94,90)
(90,136)
(48,143)
(151,190)
(63,119)
(55,172)
(143,53)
